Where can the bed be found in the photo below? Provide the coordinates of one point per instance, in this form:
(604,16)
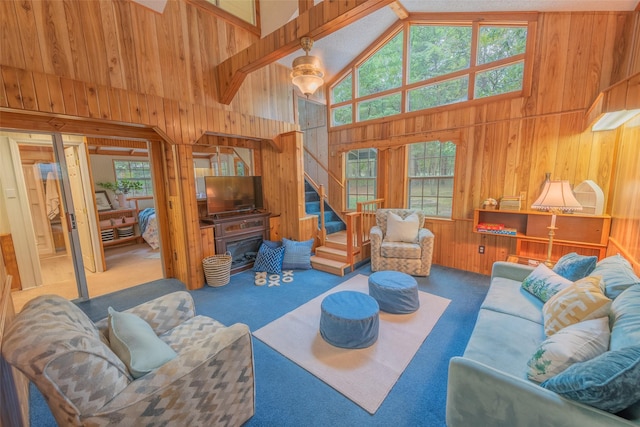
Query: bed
(149,227)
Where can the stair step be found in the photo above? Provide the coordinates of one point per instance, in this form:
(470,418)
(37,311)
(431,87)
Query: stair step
(331,253)
(328,265)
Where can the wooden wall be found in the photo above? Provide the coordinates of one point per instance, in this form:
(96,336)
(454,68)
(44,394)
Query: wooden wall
(114,68)
(625,224)
(505,147)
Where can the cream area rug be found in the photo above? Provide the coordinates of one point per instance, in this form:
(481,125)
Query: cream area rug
(363,375)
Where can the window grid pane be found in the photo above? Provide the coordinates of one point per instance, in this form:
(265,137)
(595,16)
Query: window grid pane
(499,80)
(438,50)
(430,172)
(500,42)
(361,173)
(379,107)
(136,171)
(383,70)
(442,93)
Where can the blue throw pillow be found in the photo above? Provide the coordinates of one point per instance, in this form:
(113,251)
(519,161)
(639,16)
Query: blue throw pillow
(269,259)
(272,243)
(608,382)
(617,273)
(575,267)
(297,255)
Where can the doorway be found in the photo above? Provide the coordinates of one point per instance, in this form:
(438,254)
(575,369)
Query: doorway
(48,210)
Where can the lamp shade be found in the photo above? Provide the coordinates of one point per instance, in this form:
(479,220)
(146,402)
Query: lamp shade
(307,74)
(557,195)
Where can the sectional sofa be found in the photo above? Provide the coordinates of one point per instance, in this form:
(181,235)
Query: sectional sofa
(490,384)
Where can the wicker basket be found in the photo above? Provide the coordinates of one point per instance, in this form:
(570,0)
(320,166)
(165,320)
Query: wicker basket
(217,269)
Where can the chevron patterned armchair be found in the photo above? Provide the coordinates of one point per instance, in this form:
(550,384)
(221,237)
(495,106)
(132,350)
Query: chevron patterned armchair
(413,258)
(67,356)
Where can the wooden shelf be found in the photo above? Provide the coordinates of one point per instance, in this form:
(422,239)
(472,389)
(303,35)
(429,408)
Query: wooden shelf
(585,234)
(112,220)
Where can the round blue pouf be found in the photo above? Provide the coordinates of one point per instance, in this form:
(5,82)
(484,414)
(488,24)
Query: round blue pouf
(349,319)
(395,292)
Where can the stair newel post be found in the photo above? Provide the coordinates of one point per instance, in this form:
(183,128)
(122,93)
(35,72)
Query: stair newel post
(323,230)
(349,223)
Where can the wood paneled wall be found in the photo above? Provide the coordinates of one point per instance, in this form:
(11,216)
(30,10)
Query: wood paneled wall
(505,147)
(283,187)
(625,212)
(115,68)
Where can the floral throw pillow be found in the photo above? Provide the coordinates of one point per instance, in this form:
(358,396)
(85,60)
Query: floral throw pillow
(544,283)
(575,343)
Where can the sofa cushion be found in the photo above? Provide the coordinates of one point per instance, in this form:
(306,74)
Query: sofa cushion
(504,342)
(575,343)
(625,319)
(583,300)
(608,382)
(402,229)
(400,250)
(507,296)
(269,259)
(297,255)
(544,283)
(136,343)
(574,267)
(617,273)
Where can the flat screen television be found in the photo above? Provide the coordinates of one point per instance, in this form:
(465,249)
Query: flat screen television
(233,193)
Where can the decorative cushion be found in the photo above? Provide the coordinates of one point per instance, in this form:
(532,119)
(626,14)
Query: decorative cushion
(583,300)
(617,273)
(272,243)
(402,230)
(136,344)
(574,267)
(269,259)
(401,250)
(624,317)
(608,382)
(297,255)
(544,283)
(575,343)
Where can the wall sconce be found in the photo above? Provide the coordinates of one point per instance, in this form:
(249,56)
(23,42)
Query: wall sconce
(612,120)
(306,74)
(556,197)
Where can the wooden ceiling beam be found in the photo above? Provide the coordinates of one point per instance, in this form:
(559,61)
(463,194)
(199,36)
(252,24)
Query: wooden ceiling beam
(317,22)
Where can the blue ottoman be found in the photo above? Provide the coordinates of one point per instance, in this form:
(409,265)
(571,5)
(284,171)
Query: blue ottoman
(395,292)
(349,319)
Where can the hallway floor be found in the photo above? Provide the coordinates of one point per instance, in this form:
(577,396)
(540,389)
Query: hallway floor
(127,266)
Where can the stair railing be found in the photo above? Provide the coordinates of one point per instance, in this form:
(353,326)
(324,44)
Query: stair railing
(359,225)
(322,234)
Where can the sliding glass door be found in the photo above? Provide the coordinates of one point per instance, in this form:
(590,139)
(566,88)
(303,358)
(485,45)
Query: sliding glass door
(44,210)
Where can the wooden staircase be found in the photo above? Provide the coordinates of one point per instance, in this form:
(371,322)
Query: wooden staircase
(332,257)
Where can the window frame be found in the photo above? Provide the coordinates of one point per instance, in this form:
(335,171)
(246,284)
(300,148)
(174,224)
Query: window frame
(348,179)
(148,182)
(476,21)
(410,178)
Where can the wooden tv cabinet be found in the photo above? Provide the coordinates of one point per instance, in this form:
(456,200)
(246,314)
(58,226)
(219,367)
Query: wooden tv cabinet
(584,234)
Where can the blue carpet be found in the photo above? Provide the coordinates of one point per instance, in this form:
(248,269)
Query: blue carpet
(287,395)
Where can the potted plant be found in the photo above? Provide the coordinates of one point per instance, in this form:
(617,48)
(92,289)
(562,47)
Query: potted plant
(121,188)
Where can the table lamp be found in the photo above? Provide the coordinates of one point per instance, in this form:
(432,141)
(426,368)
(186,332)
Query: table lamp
(557,197)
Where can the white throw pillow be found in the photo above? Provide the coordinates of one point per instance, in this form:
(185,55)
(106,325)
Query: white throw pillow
(402,230)
(574,344)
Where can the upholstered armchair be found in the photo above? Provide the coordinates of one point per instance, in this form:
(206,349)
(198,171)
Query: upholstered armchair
(412,257)
(68,357)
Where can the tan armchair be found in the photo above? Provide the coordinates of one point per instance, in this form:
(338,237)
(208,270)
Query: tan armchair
(67,356)
(411,258)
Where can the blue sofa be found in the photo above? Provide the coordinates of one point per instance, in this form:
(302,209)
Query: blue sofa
(488,385)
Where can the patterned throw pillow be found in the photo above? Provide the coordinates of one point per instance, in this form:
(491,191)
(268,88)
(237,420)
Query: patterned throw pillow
(269,259)
(608,382)
(583,300)
(133,340)
(297,255)
(402,230)
(574,267)
(544,283)
(575,343)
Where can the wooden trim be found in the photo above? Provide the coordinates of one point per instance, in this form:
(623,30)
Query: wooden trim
(319,21)
(615,246)
(231,18)
(399,9)
(304,5)
(484,18)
